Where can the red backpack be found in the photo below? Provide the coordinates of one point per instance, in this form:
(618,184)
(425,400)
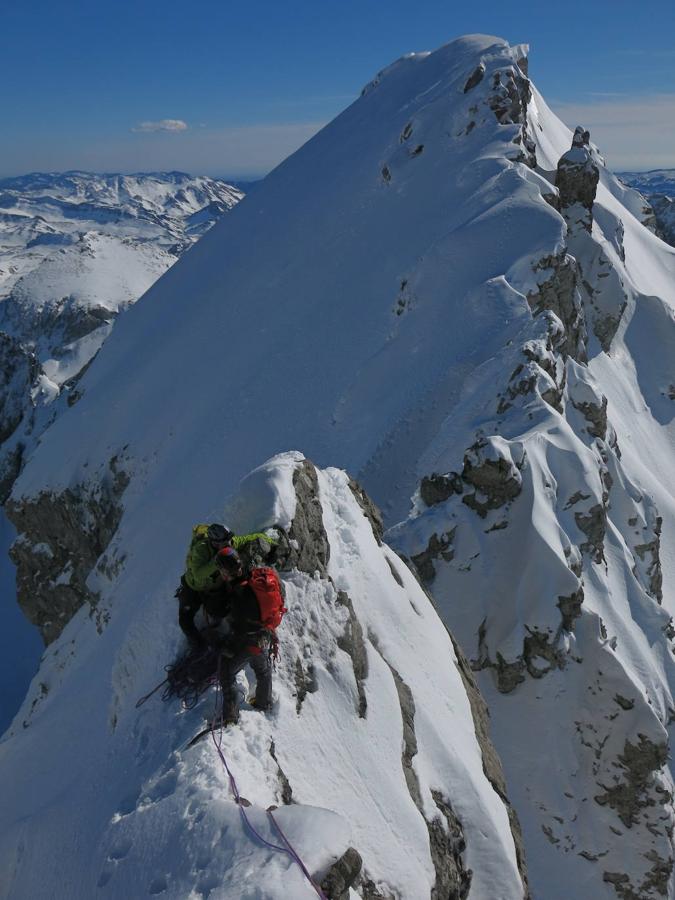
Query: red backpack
(267,589)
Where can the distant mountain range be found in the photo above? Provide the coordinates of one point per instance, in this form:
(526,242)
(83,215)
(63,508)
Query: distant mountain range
(658,186)
(77,248)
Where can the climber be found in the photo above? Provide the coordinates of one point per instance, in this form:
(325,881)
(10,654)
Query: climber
(201,584)
(256,606)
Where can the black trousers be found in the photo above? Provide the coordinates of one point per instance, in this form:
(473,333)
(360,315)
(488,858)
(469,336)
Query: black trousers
(262,668)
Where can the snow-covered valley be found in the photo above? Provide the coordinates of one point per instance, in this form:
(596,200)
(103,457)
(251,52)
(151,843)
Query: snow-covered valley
(446,294)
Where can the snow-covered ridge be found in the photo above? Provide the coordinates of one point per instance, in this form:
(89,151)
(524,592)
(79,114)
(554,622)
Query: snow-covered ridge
(377,739)
(448,294)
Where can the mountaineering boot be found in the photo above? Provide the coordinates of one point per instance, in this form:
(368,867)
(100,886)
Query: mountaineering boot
(230,714)
(260,705)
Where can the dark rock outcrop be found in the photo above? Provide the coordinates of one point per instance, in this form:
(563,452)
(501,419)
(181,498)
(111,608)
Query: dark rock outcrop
(577,178)
(61,538)
(596,416)
(370,511)
(437,547)
(342,875)
(558,293)
(437,488)
(19,369)
(638,764)
(491,763)
(309,548)
(351,641)
(497,481)
(651,552)
(446,836)
(475,78)
(593,524)
(510,94)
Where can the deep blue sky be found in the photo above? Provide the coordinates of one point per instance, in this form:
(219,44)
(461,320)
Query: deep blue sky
(252,81)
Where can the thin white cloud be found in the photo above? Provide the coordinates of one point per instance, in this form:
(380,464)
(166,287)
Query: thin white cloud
(631,131)
(162,125)
(244,151)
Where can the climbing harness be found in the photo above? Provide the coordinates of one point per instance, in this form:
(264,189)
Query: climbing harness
(242,802)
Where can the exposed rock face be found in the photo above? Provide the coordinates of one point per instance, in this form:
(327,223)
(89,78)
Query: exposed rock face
(342,875)
(475,78)
(371,512)
(650,554)
(557,291)
(61,539)
(542,371)
(491,763)
(65,320)
(641,791)
(437,547)
(541,654)
(446,837)
(509,97)
(494,475)
(570,607)
(18,371)
(593,524)
(310,549)
(352,643)
(663,217)
(437,488)
(577,179)
(638,790)
(596,415)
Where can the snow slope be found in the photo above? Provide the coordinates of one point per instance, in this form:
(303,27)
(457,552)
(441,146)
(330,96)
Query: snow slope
(379,748)
(443,296)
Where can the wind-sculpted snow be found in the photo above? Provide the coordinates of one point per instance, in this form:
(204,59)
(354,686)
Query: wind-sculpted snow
(425,296)
(385,758)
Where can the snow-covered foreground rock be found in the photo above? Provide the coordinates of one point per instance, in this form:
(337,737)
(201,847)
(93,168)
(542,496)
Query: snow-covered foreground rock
(76,249)
(378,737)
(447,294)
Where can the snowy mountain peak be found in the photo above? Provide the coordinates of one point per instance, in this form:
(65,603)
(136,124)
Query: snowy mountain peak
(449,295)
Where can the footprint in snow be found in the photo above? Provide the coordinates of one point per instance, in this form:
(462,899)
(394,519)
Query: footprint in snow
(120,849)
(158,886)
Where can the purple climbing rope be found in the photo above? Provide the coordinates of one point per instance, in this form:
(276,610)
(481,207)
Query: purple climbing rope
(289,850)
(294,855)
